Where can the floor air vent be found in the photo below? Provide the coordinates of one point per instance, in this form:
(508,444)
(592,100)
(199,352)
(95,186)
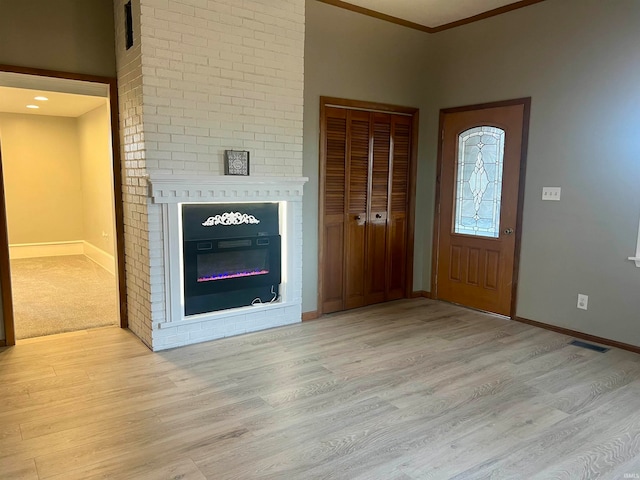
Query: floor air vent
(590,346)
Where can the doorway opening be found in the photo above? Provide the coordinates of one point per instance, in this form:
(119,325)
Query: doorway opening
(479,200)
(62,235)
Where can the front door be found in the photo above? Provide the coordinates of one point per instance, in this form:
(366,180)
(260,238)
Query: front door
(478,221)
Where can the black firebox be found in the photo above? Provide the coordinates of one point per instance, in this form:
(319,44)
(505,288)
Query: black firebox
(232,255)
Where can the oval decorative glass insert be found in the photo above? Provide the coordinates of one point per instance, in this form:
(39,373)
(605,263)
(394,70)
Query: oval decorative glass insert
(478,185)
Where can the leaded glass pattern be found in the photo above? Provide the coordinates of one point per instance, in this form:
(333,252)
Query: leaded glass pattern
(479,181)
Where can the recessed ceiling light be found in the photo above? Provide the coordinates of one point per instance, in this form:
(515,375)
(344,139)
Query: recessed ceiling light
(41,98)
(33,106)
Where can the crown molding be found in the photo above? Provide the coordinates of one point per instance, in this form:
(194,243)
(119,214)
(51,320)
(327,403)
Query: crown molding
(424,28)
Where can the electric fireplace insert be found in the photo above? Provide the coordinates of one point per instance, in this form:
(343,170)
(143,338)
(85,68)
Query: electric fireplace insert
(232,255)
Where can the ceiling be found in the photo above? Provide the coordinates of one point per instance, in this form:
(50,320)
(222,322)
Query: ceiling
(15,100)
(431,15)
(66,98)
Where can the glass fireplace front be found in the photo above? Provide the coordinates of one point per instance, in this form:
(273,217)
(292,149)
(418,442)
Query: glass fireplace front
(223,270)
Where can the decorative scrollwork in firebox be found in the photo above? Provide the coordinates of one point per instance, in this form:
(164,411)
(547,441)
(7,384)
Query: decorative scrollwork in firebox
(230,218)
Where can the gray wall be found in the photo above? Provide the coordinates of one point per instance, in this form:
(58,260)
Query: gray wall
(579,61)
(65,35)
(352,56)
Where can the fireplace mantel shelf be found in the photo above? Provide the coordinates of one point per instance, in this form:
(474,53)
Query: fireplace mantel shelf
(193,188)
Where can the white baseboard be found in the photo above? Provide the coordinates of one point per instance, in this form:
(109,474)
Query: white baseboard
(101,257)
(52,249)
(59,249)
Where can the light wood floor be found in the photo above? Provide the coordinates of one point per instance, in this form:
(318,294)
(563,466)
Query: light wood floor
(414,389)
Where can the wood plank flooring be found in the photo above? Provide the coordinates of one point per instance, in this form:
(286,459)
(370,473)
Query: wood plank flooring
(414,389)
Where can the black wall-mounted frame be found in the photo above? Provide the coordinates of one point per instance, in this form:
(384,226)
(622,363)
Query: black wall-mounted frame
(236,162)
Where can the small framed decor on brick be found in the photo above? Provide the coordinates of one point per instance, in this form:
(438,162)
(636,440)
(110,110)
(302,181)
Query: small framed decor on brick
(236,162)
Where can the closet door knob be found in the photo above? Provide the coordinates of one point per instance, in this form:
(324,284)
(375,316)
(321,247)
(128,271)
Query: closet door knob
(378,215)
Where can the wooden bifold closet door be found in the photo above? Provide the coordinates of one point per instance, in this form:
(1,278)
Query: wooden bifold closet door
(365,201)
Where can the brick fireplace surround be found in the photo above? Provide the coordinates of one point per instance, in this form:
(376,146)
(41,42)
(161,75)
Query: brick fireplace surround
(202,77)
(170,191)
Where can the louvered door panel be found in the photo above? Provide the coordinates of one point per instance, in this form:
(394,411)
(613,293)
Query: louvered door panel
(376,275)
(380,163)
(399,198)
(400,164)
(358,158)
(335,162)
(335,152)
(366,167)
(358,162)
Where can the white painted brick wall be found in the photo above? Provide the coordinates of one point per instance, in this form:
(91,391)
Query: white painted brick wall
(223,74)
(204,76)
(137,255)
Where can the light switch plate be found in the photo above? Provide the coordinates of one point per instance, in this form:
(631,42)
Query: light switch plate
(551,193)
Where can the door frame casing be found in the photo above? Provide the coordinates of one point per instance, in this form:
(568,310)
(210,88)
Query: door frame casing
(5,275)
(526,103)
(414,113)
(118,204)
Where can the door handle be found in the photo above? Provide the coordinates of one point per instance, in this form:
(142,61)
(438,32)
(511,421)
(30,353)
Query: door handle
(378,215)
(508,231)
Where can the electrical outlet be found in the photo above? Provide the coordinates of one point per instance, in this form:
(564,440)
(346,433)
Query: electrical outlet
(583,301)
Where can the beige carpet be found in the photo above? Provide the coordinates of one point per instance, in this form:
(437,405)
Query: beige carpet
(61,294)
